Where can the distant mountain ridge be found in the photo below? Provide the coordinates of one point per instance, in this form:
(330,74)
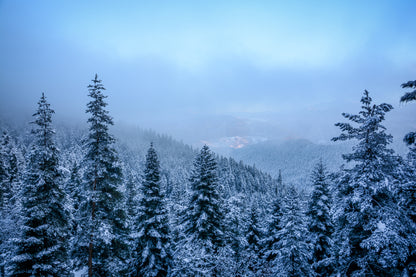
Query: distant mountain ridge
(295,158)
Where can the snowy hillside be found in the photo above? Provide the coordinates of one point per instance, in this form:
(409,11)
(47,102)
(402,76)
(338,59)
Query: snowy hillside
(295,158)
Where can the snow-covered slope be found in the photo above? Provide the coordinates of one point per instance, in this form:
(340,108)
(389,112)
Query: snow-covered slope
(295,158)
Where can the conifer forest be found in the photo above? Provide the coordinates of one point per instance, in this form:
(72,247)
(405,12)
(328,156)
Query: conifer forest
(79,202)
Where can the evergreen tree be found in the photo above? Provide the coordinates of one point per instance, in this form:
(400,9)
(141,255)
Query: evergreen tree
(410,138)
(9,204)
(74,187)
(368,224)
(254,236)
(407,192)
(12,165)
(279,179)
(132,197)
(101,242)
(74,191)
(41,250)
(5,189)
(270,242)
(204,220)
(293,252)
(320,224)
(235,238)
(3,208)
(204,228)
(152,256)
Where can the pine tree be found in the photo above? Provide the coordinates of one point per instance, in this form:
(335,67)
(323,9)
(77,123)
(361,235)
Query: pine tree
(101,242)
(410,138)
(132,197)
(204,228)
(254,237)
(270,242)
(5,189)
(234,235)
(42,246)
(204,221)
(407,192)
(368,224)
(74,187)
(9,204)
(11,154)
(293,252)
(153,255)
(74,191)
(320,224)
(279,179)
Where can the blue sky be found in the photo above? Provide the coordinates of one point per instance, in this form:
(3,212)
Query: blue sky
(202,70)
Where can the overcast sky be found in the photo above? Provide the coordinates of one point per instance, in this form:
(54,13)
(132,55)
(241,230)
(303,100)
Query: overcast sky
(203,70)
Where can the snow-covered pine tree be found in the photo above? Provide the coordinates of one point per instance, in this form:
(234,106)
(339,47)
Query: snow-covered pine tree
(293,252)
(132,197)
(234,210)
(205,217)
(368,222)
(41,249)
(73,189)
(204,227)
(269,243)
(280,179)
(271,238)
(410,138)
(101,241)
(407,192)
(320,223)
(254,236)
(4,195)
(10,154)
(9,204)
(5,189)
(153,255)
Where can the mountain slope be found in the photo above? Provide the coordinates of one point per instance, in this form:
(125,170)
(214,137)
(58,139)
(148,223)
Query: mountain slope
(295,158)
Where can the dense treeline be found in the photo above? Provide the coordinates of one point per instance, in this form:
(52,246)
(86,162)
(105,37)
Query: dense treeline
(79,201)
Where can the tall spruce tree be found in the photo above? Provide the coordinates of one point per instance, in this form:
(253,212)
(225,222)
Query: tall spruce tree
(320,223)
(254,235)
(153,254)
(204,227)
(407,192)
(293,251)
(10,154)
(270,249)
(280,179)
(102,230)
(205,217)
(5,189)
(41,250)
(234,209)
(74,187)
(4,196)
(410,138)
(9,204)
(368,223)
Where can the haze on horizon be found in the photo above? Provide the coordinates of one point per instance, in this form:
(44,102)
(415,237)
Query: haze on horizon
(205,71)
